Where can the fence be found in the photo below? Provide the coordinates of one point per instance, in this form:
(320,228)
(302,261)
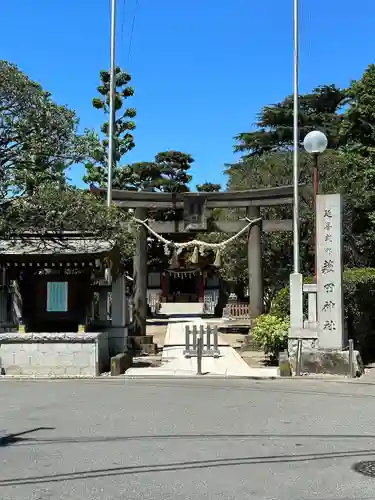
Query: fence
(210,301)
(209,305)
(312,310)
(209,339)
(236,311)
(154,303)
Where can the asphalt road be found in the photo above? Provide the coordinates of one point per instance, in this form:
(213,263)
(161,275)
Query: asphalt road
(186,439)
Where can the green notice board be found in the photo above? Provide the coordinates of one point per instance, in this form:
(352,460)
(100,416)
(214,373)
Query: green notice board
(57,296)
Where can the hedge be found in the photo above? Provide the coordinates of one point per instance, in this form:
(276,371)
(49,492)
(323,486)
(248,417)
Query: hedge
(359,307)
(270,332)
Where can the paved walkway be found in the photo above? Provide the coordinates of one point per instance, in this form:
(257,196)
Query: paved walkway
(174,363)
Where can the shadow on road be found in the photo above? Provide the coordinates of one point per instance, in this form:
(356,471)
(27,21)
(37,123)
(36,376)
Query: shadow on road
(184,466)
(10,439)
(160,437)
(168,322)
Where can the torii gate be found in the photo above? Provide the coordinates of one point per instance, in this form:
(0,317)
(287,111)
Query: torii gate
(197,208)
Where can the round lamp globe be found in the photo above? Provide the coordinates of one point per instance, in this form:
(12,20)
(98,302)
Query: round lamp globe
(315,142)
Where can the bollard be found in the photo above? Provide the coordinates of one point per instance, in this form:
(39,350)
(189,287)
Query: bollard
(195,333)
(216,340)
(199,354)
(298,357)
(187,338)
(285,369)
(208,329)
(351,359)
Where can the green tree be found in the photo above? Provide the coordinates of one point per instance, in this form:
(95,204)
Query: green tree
(97,168)
(208,187)
(140,176)
(358,131)
(174,167)
(339,172)
(167,173)
(54,209)
(318,110)
(38,138)
(358,128)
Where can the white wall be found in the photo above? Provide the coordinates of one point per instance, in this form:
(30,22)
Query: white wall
(48,359)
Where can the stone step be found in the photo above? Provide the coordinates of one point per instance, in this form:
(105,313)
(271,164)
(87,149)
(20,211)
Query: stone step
(143,344)
(181,308)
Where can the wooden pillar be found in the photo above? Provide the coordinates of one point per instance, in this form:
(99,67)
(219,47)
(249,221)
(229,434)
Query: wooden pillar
(163,287)
(3,306)
(201,287)
(103,316)
(17,306)
(140,277)
(254,259)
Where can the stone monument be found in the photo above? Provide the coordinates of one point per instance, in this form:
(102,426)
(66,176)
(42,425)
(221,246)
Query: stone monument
(329,262)
(322,333)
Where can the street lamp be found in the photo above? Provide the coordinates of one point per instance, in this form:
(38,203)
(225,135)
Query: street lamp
(315,143)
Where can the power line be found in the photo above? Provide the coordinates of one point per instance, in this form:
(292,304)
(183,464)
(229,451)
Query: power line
(132,30)
(125,5)
(123,19)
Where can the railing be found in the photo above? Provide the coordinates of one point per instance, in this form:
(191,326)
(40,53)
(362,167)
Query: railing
(312,306)
(154,303)
(209,339)
(209,305)
(211,295)
(236,311)
(308,334)
(210,300)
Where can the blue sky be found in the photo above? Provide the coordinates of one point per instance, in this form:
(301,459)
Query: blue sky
(201,69)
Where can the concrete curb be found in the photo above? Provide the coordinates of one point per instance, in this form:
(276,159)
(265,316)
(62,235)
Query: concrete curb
(186,377)
(198,377)
(247,377)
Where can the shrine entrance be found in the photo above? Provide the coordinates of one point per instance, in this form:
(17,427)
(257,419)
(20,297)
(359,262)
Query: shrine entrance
(183,285)
(195,214)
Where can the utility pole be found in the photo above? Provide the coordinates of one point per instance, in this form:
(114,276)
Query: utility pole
(296,279)
(112,109)
(296,256)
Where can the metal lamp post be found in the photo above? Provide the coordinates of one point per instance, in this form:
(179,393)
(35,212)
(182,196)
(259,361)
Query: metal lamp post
(315,143)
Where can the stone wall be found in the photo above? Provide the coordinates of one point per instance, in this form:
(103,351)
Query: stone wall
(332,362)
(54,354)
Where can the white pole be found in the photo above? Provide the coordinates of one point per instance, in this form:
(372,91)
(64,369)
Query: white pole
(112,110)
(296,263)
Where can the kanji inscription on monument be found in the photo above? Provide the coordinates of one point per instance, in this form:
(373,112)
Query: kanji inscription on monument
(329,270)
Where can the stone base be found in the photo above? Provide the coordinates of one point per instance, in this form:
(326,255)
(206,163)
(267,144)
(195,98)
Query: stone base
(285,369)
(329,362)
(120,363)
(143,344)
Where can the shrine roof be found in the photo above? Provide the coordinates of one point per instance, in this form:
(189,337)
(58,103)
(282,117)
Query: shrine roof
(67,246)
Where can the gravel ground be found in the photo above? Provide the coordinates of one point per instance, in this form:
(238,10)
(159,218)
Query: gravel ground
(186,439)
